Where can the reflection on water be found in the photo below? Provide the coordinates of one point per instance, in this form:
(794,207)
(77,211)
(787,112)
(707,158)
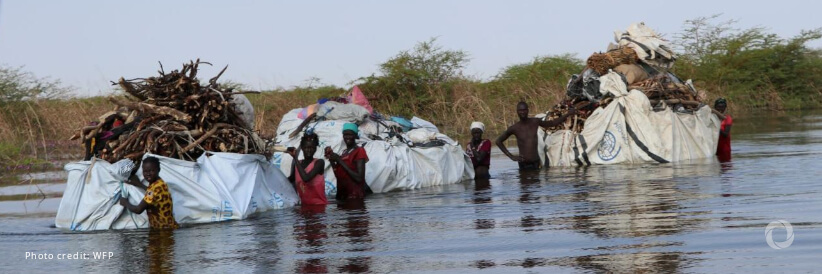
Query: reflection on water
(310,231)
(356,232)
(160,251)
(700,216)
(482,199)
(148,251)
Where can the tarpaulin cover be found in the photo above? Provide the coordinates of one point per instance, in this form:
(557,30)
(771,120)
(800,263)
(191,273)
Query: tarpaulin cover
(218,187)
(393,163)
(628,130)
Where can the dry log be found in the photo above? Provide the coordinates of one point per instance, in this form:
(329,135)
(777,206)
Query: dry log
(149,108)
(204,137)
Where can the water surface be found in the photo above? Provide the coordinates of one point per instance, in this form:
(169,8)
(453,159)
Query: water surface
(701,216)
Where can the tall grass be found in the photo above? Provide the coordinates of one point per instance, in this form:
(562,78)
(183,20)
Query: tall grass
(754,69)
(41,128)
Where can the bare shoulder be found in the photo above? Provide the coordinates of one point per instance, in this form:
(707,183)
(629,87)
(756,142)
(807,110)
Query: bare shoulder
(512,128)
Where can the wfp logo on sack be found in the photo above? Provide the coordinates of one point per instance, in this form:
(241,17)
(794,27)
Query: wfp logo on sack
(277,159)
(276,201)
(608,149)
(769,234)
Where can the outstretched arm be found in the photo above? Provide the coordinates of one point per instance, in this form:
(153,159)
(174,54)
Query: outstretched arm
(132,180)
(557,121)
(138,209)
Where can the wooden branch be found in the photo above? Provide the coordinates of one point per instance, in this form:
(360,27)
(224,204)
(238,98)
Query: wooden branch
(302,125)
(129,88)
(205,136)
(149,108)
(214,80)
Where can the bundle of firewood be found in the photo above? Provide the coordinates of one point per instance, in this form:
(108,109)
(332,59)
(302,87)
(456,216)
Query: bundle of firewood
(663,88)
(174,115)
(602,62)
(576,122)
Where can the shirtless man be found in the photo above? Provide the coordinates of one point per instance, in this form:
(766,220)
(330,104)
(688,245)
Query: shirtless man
(526,132)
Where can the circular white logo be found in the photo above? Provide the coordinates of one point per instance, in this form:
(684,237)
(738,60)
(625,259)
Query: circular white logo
(769,234)
(607,146)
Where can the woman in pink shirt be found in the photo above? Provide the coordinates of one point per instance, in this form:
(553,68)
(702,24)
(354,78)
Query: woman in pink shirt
(307,174)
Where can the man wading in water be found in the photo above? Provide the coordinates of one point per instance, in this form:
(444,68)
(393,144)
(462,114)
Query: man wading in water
(526,132)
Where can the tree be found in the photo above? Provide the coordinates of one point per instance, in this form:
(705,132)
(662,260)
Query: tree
(751,64)
(413,78)
(19,85)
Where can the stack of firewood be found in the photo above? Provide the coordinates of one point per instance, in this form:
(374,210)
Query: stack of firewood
(602,62)
(576,122)
(663,88)
(174,115)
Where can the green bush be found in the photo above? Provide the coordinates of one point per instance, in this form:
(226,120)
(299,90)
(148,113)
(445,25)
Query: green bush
(18,85)
(751,66)
(414,80)
(543,73)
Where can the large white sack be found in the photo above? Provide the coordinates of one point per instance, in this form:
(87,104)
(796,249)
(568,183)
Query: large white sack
(420,123)
(346,112)
(629,131)
(423,135)
(328,111)
(392,165)
(89,201)
(218,187)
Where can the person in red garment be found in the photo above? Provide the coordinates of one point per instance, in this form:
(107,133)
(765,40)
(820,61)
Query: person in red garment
(479,150)
(349,167)
(307,174)
(723,149)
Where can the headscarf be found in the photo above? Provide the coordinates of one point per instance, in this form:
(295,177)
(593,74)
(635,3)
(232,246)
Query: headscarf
(352,127)
(478,125)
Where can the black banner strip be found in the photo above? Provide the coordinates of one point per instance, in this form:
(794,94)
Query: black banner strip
(638,142)
(576,156)
(584,149)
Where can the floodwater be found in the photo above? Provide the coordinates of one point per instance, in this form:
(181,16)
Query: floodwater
(701,216)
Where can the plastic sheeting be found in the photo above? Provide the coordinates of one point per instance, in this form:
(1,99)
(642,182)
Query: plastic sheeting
(393,163)
(218,187)
(649,46)
(629,131)
(245,110)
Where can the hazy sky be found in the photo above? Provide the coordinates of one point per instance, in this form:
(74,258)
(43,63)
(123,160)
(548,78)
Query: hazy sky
(267,44)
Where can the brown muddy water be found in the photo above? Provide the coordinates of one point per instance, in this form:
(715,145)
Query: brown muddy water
(700,216)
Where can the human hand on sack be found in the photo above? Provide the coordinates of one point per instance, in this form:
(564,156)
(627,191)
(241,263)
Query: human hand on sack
(291,151)
(123,201)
